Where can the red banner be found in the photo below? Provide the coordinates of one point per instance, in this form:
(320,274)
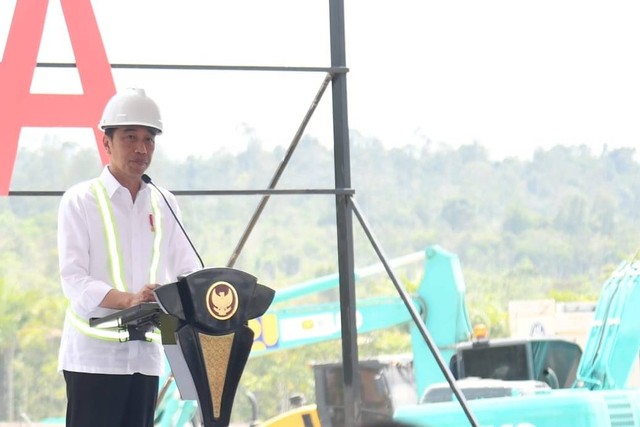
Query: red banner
(20,108)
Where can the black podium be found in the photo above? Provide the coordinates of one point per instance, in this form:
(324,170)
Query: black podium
(203,323)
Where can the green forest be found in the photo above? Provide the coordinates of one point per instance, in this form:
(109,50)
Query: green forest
(552,226)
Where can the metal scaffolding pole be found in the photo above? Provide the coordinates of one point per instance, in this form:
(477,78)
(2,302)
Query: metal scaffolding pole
(344,220)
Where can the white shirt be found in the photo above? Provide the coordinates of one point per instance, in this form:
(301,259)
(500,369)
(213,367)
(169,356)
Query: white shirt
(86,274)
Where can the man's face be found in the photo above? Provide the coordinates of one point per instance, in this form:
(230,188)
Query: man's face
(131,149)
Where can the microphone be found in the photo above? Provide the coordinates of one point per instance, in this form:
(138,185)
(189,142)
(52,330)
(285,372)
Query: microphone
(147,179)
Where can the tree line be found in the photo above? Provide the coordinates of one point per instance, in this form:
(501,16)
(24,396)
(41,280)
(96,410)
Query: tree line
(552,225)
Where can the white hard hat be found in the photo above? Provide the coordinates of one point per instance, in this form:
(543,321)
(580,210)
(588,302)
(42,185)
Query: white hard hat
(131,107)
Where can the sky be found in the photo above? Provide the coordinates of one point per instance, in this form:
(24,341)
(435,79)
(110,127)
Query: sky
(511,75)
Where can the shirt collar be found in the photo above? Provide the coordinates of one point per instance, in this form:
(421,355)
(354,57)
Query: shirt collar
(112,185)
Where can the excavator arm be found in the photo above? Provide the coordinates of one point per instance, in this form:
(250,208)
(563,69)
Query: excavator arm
(614,338)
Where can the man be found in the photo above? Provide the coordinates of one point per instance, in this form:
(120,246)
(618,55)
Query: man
(117,241)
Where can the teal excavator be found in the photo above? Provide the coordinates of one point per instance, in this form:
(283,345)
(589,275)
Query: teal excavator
(598,395)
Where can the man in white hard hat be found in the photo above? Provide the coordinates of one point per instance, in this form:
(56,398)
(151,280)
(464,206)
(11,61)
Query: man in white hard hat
(117,241)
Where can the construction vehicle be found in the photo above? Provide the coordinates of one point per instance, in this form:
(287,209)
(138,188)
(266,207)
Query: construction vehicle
(599,395)
(533,381)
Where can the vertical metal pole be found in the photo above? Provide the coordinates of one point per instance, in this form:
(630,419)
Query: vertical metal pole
(342,167)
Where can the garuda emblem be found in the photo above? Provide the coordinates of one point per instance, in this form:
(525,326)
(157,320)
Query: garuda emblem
(222,300)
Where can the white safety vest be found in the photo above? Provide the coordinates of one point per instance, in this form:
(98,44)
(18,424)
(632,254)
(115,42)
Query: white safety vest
(118,332)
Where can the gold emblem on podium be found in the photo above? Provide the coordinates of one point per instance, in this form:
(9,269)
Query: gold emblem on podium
(222,300)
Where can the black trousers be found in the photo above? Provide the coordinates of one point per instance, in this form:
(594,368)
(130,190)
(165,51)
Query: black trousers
(98,400)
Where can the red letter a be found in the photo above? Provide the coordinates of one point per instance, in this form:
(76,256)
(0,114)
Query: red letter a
(19,108)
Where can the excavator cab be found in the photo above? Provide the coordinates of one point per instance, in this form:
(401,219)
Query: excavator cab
(508,367)
(550,360)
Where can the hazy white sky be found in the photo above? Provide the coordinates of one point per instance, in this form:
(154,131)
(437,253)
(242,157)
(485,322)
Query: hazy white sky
(512,75)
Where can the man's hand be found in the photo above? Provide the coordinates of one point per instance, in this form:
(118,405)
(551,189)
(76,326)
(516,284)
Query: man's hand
(121,300)
(146,294)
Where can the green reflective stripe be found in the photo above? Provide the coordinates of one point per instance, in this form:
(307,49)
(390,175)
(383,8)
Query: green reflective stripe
(157,237)
(109,334)
(110,235)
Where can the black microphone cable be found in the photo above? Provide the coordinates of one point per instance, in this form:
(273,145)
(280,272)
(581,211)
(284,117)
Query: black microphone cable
(147,179)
